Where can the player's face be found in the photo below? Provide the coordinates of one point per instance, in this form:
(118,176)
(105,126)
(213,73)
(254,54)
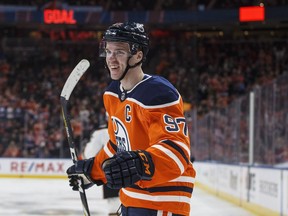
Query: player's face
(117,54)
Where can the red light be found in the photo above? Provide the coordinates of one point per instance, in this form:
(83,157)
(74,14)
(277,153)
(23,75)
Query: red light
(252,13)
(59,16)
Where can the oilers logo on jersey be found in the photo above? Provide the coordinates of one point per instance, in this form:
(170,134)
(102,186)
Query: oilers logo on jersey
(121,134)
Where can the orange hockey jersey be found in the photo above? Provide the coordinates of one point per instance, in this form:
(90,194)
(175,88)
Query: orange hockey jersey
(150,117)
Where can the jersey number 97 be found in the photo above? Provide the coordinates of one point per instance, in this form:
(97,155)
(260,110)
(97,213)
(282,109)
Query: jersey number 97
(174,124)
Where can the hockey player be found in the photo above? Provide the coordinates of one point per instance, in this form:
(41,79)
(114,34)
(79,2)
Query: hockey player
(148,154)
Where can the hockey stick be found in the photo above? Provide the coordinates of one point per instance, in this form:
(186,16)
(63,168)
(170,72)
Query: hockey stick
(69,85)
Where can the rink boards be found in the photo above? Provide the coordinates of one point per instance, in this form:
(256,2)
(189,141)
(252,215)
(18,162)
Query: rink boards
(34,168)
(262,190)
(38,168)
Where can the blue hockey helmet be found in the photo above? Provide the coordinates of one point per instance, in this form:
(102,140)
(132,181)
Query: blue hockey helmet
(129,32)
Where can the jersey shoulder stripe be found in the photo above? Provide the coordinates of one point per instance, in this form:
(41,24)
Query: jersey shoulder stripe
(151,91)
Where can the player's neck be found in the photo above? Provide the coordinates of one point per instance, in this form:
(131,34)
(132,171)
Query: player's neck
(132,78)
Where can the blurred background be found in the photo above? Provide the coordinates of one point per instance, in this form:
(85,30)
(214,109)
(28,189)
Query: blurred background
(202,47)
(227,58)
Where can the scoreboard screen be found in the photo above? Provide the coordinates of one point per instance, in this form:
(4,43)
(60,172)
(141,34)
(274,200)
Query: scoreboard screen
(251,13)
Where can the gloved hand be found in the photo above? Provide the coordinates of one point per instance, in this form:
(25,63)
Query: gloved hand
(128,167)
(81,169)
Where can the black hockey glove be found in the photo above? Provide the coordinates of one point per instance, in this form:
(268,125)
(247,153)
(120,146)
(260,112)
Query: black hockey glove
(81,169)
(126,168)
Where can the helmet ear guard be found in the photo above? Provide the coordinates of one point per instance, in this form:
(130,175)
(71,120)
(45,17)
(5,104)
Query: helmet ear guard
(134,48)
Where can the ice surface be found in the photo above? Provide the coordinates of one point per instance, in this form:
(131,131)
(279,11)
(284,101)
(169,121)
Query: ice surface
(33,197)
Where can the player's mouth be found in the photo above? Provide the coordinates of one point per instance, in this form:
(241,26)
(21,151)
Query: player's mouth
(114,66)
(114,70)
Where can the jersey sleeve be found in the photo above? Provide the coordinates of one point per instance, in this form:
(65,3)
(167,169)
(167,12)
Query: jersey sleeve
(108,151)
(169,145)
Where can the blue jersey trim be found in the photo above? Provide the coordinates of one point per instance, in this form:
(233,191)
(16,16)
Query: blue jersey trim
(151,91)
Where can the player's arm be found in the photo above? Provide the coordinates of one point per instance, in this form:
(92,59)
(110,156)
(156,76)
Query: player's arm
(166,158)
(170,146)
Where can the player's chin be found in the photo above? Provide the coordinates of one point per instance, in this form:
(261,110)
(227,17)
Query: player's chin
(115,75)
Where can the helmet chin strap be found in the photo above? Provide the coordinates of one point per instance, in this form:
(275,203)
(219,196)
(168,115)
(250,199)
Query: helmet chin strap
(122,96)
(126,69)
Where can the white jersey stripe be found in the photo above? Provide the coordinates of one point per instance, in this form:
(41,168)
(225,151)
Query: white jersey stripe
(183,146)
(159,213)
(157,198)
(187,179)
(107,151)
(171,155)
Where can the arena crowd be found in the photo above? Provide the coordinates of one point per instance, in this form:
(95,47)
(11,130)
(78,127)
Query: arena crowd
(209,71)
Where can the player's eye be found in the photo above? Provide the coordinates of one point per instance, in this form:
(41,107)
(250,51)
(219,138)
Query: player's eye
(108,52)
(120,53)
(117,53)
